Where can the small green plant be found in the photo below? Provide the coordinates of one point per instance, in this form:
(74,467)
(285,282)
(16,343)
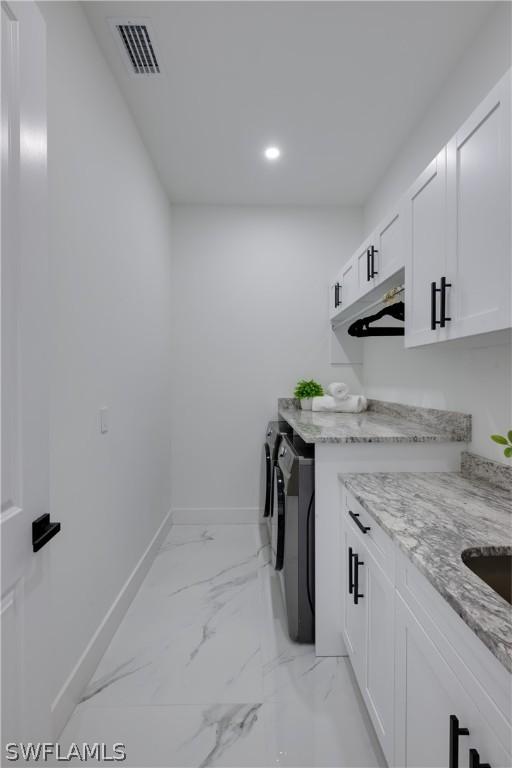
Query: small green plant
(306,389)
(506,441)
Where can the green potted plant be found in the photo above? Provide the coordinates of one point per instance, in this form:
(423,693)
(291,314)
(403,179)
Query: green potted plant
(305,391)
(506,442)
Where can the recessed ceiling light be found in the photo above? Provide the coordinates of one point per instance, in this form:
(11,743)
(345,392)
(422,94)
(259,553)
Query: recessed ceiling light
(272,153)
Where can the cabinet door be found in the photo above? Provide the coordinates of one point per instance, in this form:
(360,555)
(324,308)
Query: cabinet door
(343,291)
(364,280)
(388,240)
(425,251)
(479,245)
(354,615)
(379,673)
(427,693)
(335,297)
(348,284)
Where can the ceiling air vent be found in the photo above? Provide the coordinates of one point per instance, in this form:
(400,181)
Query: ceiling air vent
(136,41)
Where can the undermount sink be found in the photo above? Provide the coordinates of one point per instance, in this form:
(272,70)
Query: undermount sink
(494,566)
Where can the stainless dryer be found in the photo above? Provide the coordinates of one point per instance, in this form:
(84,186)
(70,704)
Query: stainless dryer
(273,434)
(293,534)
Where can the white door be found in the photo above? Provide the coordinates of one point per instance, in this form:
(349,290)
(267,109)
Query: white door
(389,244)
(427,694)
(479,244)
(348,284)
(354,618)
(425,251)
(25,607)
(380,648)
(365,281)
(335,296)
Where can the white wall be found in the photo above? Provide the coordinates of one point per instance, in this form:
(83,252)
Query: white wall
(474,375)
(250,318)
(111,324)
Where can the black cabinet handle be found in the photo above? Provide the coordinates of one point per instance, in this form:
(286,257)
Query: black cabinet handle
(474,760)
(455,732)
(357,594)
(368,274)
(373,251)
(350,571)
(363,528)
(434,322)
(337,300)
(268,485)
(43,531)
(442,313)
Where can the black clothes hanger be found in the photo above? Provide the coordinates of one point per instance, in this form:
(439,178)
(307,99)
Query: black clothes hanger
(362,327)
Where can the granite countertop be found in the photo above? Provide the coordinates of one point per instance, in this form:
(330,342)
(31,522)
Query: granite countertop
(381,423)
(434,517)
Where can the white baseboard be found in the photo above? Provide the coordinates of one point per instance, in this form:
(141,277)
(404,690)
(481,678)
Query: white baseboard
(216,515)
(72,690)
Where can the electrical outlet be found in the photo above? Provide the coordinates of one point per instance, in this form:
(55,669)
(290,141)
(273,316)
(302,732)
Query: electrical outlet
(103,420)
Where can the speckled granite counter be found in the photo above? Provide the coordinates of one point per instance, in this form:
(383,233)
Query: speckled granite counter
(434,517)
(381,423)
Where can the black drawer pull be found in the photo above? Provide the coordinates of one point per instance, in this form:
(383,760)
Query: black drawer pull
(434,322)
(350,571)
(43,531)
(357,594)
(368,269)
(355,518)
(337,300)
(474,760)
(373,251)
(455,732)
(442,314)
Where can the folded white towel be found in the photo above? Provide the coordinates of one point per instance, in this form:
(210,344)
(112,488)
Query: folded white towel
(338,390)
(351,404)
(324,403)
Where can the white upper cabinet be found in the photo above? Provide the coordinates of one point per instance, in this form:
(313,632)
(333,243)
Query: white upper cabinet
(478,207)
(348,284)
(389,247)
(365,273)
(344,291)
(452,232)
(457,231)
(425,245)
(380,257)
(382,254)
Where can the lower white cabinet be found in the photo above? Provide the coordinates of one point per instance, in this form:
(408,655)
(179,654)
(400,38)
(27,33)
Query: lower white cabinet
(422,673)
(437,722)
(368,629)
(379,679)
(354,618)
(427,695)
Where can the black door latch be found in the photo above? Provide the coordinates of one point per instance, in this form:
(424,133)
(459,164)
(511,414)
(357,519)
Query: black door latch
(43,531)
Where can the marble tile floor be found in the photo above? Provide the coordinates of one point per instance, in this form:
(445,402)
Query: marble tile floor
(201,671)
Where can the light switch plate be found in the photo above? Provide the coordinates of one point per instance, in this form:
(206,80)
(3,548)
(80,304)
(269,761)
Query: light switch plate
(103,420)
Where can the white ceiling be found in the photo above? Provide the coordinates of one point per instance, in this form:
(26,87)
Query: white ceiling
(337,85)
